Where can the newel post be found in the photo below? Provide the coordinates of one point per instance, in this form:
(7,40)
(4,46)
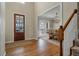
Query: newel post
(60,38)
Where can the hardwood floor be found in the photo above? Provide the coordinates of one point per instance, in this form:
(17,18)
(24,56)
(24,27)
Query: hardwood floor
(31,48)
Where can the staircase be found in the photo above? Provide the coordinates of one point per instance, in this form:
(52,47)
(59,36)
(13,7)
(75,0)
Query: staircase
(74,50)
(60,36)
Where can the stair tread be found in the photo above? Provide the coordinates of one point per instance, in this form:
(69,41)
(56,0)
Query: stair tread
(75,47)
(77,40)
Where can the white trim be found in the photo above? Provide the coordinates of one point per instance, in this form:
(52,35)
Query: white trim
(4,54)
(61,11)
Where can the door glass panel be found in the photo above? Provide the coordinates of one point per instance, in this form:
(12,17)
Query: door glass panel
(19,23)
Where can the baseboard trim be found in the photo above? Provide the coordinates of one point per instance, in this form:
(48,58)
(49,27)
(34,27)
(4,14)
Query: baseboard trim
(9,42)
(31,39)
(25,39)
(4,54)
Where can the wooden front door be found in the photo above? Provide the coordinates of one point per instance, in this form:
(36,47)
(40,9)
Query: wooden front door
(19,27)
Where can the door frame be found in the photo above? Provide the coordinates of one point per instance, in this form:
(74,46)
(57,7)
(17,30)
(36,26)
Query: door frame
(15,24)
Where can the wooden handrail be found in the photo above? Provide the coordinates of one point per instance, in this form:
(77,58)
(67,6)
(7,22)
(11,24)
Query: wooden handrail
(69,19)
(61,31)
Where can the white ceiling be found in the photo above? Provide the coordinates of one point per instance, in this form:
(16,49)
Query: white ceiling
(51,14)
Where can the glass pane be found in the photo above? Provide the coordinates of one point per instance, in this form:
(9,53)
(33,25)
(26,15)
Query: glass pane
(19,24)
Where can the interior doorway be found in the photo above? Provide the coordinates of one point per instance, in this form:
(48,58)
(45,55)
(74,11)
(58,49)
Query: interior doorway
(49,21)
(19,27)
(43,27)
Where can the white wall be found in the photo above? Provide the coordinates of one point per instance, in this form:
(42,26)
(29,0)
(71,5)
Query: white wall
(26,9)
(69,34)
(2,29)
(68,8)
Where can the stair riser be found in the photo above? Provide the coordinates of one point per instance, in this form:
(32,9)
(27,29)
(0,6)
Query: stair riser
(75,52)
(77,43)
